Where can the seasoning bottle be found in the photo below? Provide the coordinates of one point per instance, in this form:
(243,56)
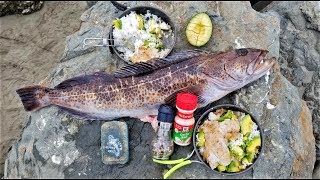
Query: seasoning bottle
(184,121)
(162,145)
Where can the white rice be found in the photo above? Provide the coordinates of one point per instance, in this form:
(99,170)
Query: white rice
(129,38)
(201,150)
(255,131)
(237,142)
(213,117)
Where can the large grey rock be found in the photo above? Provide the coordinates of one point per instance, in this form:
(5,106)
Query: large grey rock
(300,52)
(30,47)
(56,145)
(289,146)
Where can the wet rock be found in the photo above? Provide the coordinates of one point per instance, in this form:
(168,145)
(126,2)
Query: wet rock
(272,99)
(300,52)
(19,7)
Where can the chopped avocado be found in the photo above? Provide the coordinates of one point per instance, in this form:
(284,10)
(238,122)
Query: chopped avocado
(201,139)
(237,152)
(233,167)
(246,138)
(228,115)
(140,21)
(146,43)
(153,36)
(199,29)
(156,31)
(221,168)
(245,161)
(250,157)
(242,167)
(246,124)
(160,45)
(117,23)
(243,146)
(234,117)
(254,144)
(152,26)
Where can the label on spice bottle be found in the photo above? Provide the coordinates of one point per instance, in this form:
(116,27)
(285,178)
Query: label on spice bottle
(182,134)
(184,115)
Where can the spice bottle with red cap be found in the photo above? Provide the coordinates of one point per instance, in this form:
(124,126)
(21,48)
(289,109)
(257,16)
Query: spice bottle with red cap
(184,121)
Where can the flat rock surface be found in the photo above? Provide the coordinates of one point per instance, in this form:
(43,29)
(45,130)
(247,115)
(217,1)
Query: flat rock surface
(55,145)
(30,46)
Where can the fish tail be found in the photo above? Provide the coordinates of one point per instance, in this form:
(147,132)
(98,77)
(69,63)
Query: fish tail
(34,97)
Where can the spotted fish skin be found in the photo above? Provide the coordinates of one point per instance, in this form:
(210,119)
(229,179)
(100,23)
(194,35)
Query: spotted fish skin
(108,97)
(131,93)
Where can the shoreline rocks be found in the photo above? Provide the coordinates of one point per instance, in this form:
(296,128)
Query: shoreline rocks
(54,144)
(19,7)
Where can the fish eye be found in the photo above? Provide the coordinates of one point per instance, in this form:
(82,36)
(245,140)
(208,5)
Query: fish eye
(242,52)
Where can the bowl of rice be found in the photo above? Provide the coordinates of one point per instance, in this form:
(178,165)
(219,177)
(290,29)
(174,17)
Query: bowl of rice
(142,33)
(228,139)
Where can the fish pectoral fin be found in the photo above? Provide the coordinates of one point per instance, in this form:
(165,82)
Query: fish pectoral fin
(143,68)
(196,90)
(85,79)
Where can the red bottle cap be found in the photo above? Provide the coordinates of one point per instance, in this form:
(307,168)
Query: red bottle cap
(187,101)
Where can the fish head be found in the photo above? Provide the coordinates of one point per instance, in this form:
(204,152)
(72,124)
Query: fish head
(239,67)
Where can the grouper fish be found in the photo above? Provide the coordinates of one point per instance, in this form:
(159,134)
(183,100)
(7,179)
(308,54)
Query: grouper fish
(137,90)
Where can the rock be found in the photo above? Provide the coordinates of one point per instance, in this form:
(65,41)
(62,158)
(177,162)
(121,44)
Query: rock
(19,7)
(296,143)
(289,150)
(91,3)
(30,47)
(300,52)
(51,134)
(316,172)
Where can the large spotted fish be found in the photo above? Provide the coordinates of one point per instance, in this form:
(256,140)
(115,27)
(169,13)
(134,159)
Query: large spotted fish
(137,90)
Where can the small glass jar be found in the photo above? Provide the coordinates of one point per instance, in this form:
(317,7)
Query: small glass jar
(162,144)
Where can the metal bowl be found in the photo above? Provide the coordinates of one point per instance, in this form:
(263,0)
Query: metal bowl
(168,42)
(234,108)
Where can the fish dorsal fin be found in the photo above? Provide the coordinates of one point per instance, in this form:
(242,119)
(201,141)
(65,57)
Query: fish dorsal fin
(86,79)
(144,68)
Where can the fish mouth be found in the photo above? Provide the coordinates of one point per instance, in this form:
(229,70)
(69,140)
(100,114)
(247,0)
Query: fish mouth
(262,64)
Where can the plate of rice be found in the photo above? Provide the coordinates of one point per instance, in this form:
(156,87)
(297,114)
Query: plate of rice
(141,34)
